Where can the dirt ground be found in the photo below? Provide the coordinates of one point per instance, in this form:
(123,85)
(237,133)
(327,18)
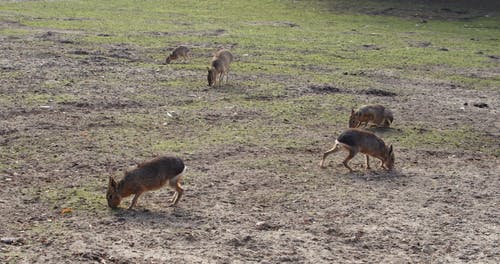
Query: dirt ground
(438,206)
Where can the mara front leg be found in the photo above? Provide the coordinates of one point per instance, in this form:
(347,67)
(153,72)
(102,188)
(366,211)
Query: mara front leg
(221,77)
(187,57)
(367,162)
(134,201)
(227,75)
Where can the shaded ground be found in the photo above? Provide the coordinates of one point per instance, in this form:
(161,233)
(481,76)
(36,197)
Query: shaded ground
(73,113)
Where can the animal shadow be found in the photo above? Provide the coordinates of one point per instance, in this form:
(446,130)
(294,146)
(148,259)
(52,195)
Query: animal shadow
(141,215)
(375,174)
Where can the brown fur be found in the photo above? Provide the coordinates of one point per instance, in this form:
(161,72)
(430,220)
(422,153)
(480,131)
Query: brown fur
(148,176)
(219,66)
(357,140)
(179,52)
(376,114)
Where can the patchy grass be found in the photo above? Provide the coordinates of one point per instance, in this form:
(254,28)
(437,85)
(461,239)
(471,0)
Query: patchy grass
(99,65)
(472,81)
(43,98)
(276,45)
(15,32)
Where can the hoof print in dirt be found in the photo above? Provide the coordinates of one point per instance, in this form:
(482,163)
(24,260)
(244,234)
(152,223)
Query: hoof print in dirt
(494,57)
(47,35)
(235,242)
(481,105)
(79,52)
(121,219)
(355,238)
(370,47)
(378,92)
(359,73)
(420,44)
(324,89)
(266,226)
(95,256)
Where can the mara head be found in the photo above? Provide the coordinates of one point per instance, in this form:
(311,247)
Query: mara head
(354,119)
(170,58)
(211,77)
(112,195)
(389,158)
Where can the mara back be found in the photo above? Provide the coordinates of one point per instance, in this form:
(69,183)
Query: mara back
(364,140)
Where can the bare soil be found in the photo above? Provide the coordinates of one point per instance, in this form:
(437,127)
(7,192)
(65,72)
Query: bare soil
(438,206)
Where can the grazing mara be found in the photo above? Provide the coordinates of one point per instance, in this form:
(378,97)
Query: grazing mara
(376,114)
(357,140)
(219,67)
(179,52)
(148,176)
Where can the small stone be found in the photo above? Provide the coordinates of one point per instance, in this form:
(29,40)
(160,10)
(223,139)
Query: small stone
(12,240)
(172,114)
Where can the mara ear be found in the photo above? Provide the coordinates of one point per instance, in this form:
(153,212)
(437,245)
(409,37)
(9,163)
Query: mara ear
(208,68)
(352,111)
(390,148)
(112,182)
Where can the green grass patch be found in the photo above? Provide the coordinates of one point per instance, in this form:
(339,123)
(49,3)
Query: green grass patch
(79,199)
(16,32)
(279,35)
(443,139)
(31,99)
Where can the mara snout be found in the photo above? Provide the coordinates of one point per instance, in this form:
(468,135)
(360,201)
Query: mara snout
(375,114)
(219,67)
(148,176)
(179,52)
(357,140)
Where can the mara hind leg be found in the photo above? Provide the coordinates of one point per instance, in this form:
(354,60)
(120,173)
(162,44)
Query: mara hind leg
(175,184)
(326,154)
(187,57)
